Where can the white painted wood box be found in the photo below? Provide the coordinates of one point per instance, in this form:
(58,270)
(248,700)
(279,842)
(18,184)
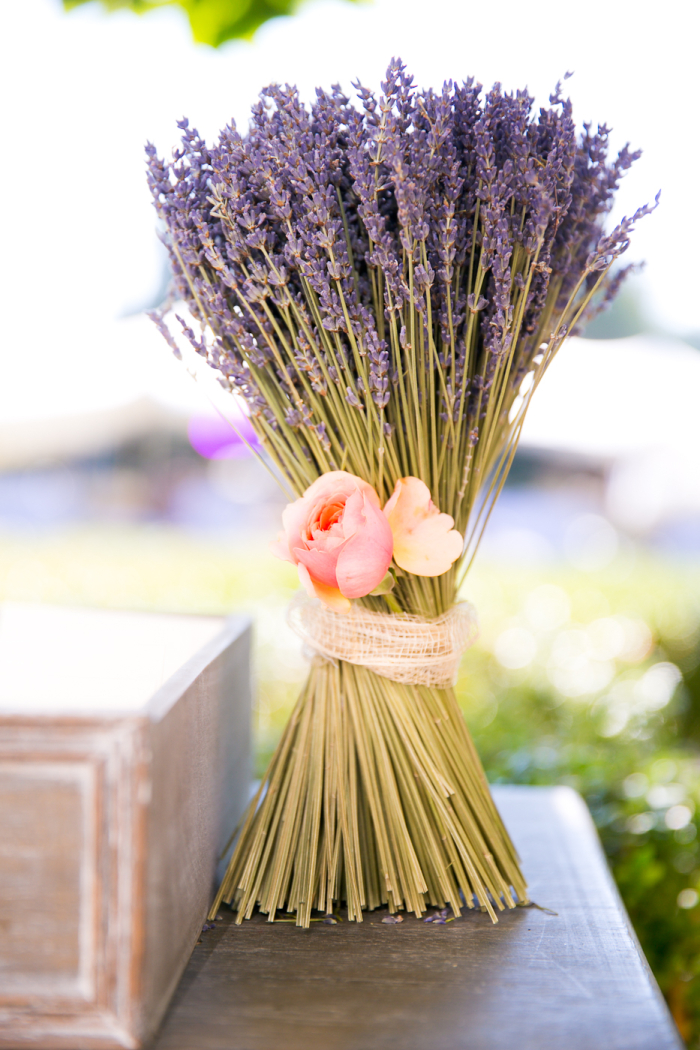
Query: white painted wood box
(124,768)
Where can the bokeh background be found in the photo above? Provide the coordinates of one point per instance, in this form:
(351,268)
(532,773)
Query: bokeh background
(122,483)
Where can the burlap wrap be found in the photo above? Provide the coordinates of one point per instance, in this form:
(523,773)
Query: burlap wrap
(398,646)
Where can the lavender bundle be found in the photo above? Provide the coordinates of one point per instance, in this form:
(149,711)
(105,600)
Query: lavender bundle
(385,283)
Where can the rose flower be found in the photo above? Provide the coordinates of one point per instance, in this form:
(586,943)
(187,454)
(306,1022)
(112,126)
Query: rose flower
(338,538)
(425,541)
(342,542)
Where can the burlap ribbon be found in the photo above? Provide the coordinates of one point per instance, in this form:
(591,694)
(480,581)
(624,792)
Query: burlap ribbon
(404,648)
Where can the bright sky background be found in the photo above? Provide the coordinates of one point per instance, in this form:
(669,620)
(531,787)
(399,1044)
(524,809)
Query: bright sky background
(84,91)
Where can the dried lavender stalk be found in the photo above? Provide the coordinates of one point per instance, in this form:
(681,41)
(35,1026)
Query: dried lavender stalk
(385,283)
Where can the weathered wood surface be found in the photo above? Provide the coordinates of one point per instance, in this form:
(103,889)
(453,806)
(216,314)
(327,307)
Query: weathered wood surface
(124,765)
(574,980)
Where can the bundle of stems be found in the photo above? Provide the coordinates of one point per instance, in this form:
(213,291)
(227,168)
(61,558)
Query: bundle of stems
(385,284)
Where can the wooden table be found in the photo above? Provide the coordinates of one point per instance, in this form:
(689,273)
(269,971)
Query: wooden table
(574,980)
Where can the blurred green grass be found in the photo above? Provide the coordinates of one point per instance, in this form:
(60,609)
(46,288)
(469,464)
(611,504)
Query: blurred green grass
(588,679)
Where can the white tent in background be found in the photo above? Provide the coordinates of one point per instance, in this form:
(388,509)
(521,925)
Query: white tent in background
(633,404)
(85,404)
(49,440)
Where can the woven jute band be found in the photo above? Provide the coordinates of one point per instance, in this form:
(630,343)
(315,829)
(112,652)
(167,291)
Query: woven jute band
(398,646)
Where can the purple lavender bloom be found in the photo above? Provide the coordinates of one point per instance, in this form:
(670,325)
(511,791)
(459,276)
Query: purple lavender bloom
(439,918)
(407,256)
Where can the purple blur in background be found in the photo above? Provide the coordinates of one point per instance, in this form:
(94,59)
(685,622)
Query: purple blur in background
(213,437)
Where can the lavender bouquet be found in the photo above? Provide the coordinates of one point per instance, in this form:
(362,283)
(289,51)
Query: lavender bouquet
(384,283)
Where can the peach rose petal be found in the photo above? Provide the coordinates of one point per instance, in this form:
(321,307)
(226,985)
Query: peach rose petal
(321,565)
(280,548)
(338,482)
(366,555)
(338,537)
(425,541)
(295,517)
(330,596)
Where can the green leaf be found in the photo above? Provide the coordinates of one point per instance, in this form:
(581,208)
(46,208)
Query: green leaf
(211,21)
(385,586)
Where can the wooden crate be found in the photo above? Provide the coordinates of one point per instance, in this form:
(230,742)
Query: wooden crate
(124,767)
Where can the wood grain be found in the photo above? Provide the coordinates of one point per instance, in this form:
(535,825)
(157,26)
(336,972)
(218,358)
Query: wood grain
(199,776)
(42,812)
(111,821)
(574,980)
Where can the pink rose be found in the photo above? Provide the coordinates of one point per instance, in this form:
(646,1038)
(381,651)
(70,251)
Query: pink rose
(338,538)
(425,541)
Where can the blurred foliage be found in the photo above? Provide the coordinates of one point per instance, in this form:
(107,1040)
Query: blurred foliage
(212,21)
(589,679)
(593,680)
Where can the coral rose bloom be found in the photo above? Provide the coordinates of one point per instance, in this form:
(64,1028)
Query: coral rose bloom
(425,541)
(338,538)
